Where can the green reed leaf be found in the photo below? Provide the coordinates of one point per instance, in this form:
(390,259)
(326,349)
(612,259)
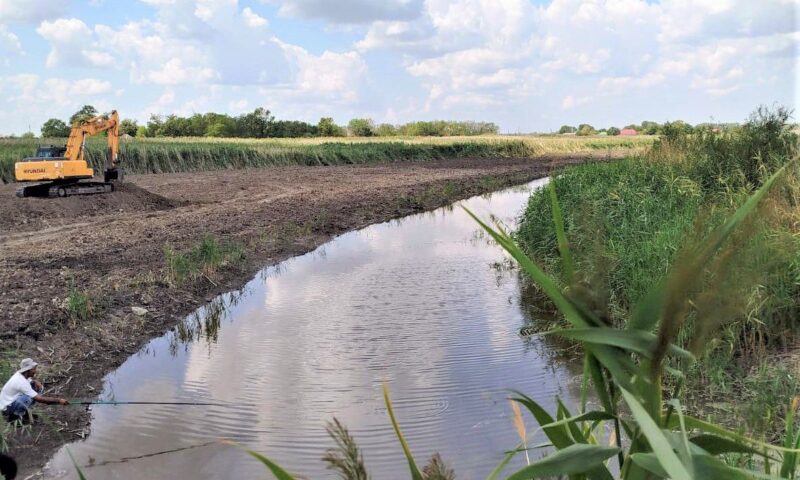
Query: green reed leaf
(658,442)
(572,460)
(638,341)
(412,465)
(81,476)
(716,445)
(567,263)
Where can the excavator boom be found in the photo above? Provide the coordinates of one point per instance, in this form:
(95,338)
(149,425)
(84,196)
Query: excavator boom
(64,167)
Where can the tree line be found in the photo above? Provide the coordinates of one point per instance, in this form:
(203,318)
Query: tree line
(260,123)
(644,128)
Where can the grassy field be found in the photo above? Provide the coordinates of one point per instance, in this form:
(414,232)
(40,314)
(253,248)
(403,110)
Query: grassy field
(630,221)
(159,155)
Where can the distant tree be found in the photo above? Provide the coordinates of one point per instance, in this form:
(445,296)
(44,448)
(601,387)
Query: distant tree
(361,127)
(197,125)
(386,130)
(633,126)
(585,129)
(55,128)
(650,128)
(255,124)
(85,113)
(326,127)
(680,125)
(154,126)
(219,125)
(175,126)
(674,130)
(567,129)
(28,135)
(141,131)
(128,127)
(291,129)
(613,131)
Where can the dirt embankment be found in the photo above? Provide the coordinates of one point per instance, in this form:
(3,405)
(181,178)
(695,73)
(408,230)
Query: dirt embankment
(111,247)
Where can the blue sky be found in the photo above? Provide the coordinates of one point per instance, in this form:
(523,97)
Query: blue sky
(526,65)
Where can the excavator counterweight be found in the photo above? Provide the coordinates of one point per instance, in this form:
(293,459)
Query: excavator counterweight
(63,169)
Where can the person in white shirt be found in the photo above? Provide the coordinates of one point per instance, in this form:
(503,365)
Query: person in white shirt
(21,390)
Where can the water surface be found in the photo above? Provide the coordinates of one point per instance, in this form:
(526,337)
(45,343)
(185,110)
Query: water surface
(418,303)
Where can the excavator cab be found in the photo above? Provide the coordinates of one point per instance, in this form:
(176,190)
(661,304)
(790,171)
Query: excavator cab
(48,152)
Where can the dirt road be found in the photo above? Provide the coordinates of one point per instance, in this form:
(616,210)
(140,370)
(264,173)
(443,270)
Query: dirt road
(111,248)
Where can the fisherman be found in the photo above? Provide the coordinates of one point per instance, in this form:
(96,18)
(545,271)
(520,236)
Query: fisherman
(21,390)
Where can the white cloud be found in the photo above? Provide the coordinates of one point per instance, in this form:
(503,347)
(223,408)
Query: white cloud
(163,103)
(68,39)
(572,102)
(352,11)
(215,42)
(516,62)
(252,19)
(175,72)
(501,51)
(238,106)
(9,43)
(337,75)
(31,89)
(31,11)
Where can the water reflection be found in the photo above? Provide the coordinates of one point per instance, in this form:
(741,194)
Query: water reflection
(414,303)
(204,324)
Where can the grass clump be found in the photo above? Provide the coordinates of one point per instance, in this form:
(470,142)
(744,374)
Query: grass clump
(203,259)
(79,305)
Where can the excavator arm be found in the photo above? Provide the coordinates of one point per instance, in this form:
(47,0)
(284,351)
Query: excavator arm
(76,144)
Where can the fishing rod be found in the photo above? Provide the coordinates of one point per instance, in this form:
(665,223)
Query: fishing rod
(113,402)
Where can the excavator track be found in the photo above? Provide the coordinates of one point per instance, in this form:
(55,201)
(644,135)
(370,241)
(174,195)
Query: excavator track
(55,190)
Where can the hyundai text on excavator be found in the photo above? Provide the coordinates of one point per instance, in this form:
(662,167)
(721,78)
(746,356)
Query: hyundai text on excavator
(63,169)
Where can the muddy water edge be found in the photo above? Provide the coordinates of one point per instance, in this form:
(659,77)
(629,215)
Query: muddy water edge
(422,303)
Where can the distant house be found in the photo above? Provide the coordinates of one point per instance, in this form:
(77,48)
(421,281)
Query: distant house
(628,132)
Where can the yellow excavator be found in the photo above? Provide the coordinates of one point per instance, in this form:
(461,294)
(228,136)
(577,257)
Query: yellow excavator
(63,169)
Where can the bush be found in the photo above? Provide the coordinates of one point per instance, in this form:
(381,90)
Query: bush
(361,127)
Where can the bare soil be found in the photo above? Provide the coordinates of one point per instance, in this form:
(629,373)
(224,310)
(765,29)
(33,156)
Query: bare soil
(112,247)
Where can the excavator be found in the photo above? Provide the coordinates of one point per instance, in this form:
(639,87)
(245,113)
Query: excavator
(63,169)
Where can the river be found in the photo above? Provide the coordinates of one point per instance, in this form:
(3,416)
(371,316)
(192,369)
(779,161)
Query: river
(423,304)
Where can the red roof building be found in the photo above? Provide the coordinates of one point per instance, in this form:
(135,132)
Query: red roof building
(628,132)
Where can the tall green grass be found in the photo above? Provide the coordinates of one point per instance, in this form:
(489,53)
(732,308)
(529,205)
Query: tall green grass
(162,155)
(627,222)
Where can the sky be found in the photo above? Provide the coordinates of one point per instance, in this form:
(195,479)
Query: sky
(527,65)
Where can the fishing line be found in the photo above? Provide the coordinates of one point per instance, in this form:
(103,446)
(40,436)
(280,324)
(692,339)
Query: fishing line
(111,402)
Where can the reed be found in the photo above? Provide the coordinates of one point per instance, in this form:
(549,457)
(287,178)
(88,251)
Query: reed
(164,155)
